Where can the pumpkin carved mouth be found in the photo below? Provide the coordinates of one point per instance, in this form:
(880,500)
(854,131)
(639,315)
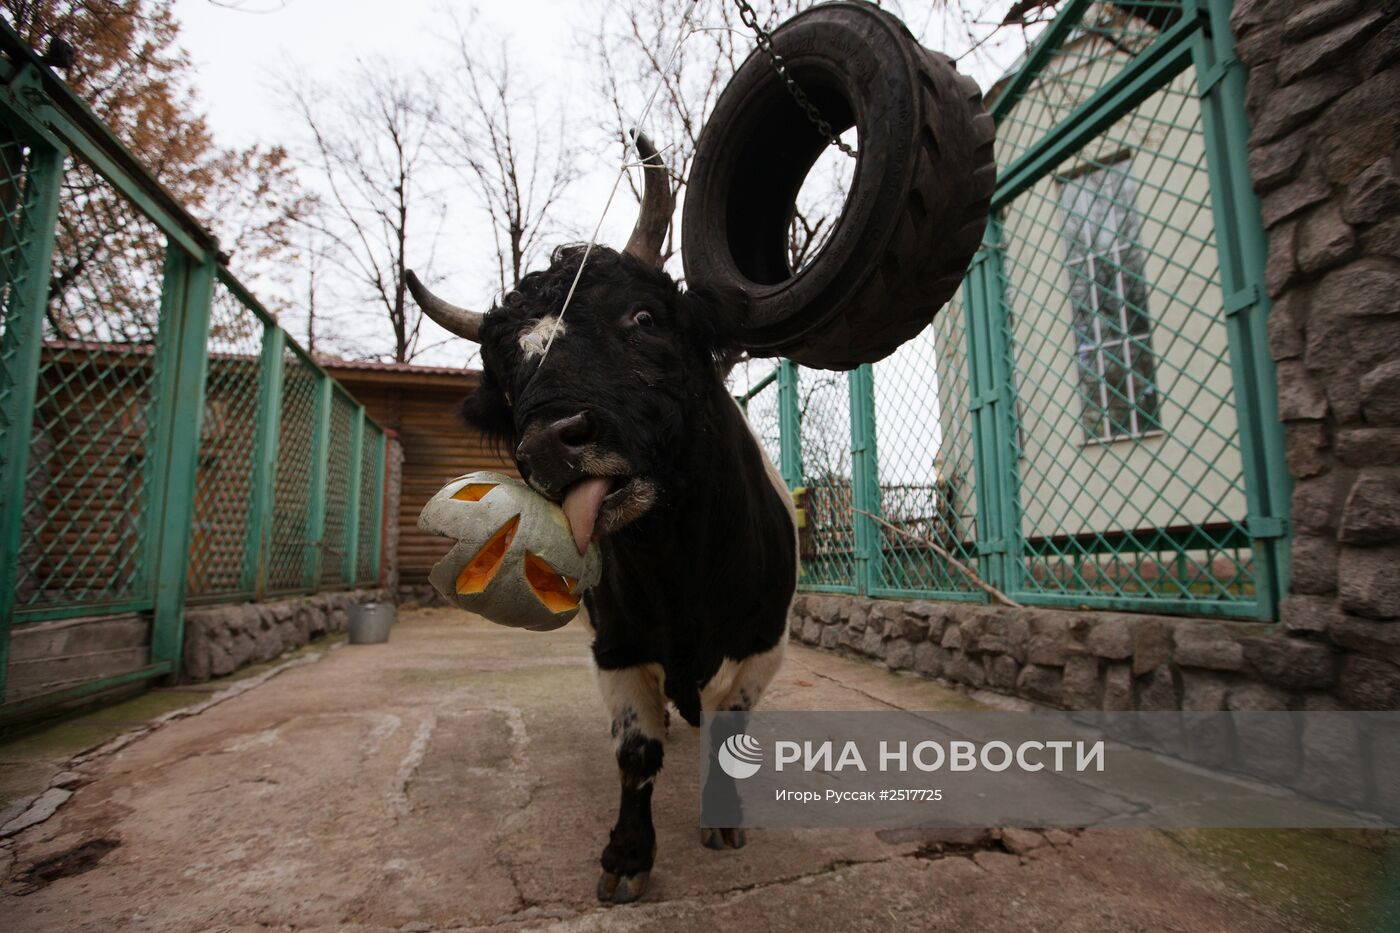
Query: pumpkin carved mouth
(550,587)
(481,569)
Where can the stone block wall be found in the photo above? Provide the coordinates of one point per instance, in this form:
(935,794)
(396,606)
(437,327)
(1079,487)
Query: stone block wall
(421,596)
(221,639)
(1092,660)
(1323,104)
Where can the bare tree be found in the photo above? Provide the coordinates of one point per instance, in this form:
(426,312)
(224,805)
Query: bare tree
(631,51)
(518,160)
(369,143)
(631,57)
(257,208)
(311,286)
(125,61)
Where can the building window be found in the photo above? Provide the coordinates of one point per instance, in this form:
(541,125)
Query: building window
(1108,297)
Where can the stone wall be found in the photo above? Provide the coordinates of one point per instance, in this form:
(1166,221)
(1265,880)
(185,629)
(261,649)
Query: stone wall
(221,639)
(1323,103)
(1090,659)
(421,595)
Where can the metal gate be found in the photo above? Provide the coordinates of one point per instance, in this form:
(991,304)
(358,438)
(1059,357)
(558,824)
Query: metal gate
(162,440)
(1092,421)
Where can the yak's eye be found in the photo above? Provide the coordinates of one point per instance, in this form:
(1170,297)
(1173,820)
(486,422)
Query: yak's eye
(641,317)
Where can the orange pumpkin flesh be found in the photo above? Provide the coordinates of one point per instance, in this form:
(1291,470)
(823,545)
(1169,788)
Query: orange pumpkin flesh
(549,585)
(473,492)
(475,577)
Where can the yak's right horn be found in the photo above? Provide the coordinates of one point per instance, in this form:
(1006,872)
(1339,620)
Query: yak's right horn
(658,203)
(456,320)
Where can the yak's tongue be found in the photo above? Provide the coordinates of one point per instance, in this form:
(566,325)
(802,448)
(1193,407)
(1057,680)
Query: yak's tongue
(581,505)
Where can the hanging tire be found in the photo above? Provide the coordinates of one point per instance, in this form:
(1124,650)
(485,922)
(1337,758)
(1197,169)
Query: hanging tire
(916,209)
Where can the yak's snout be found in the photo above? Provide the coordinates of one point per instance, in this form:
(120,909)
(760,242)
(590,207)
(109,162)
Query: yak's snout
(550,455)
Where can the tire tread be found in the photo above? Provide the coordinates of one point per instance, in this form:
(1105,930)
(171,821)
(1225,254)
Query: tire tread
(903,307)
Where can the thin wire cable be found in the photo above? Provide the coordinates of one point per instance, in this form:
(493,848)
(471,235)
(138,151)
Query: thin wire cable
(685,33)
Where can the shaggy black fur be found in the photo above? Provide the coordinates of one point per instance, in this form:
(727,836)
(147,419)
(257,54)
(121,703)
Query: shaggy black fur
(708,573)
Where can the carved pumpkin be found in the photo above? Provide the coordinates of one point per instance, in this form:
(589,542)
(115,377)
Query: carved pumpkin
(515,561)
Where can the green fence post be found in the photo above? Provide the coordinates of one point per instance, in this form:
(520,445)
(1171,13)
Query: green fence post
(789,425)
(1243,248)
(1004,389)
(23,341)
(180,366)
(316,488)
(262,494)
(865,479)
(992,406)
(352,501)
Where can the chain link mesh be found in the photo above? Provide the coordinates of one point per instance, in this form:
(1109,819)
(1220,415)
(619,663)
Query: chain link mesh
(85,536)
(286,566)
(762,412)
(1105,38)
(1131,475)
(227,447)
(336,540)
(113,455)
(926,470)
(824,418)
(1116,477)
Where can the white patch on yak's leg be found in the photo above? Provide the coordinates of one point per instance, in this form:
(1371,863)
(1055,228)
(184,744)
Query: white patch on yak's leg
(635,702)
(717,687)
(739,685)
(534,340)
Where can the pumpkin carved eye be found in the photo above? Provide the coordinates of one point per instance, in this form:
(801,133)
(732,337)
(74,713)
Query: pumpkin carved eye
(550,586)
(480,570)
(473,492)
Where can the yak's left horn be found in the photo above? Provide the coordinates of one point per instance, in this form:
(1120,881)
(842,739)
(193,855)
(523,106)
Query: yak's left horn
(649,235)
(457,320)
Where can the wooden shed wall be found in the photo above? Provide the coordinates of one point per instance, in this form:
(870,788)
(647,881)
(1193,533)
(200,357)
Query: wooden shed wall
(437,446)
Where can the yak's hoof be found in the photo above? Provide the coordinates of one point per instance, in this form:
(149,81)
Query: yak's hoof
(622,889)
(722,838)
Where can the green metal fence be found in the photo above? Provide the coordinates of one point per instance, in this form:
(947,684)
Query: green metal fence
(162,440)
(1091,421)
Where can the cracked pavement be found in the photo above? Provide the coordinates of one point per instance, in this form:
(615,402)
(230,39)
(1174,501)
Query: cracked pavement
(460,777)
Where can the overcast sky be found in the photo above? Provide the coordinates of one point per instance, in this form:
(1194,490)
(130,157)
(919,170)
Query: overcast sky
(238,52)
(239,55)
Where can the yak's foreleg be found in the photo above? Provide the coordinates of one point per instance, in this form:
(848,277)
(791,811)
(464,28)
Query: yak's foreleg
(637,706)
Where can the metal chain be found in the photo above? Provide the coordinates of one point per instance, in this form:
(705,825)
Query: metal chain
(764,41)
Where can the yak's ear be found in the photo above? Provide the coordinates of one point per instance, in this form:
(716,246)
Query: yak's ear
(489,412)
(715,319)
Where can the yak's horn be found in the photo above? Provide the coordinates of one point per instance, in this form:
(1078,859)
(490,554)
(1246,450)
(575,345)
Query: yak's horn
(649,235)
(459,321)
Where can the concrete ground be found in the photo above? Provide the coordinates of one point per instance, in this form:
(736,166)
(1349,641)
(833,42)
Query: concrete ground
(460,777)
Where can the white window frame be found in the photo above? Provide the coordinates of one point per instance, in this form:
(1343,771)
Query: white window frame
(1081,258)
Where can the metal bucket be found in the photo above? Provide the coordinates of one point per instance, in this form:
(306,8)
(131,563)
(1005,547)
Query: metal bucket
(369,624)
